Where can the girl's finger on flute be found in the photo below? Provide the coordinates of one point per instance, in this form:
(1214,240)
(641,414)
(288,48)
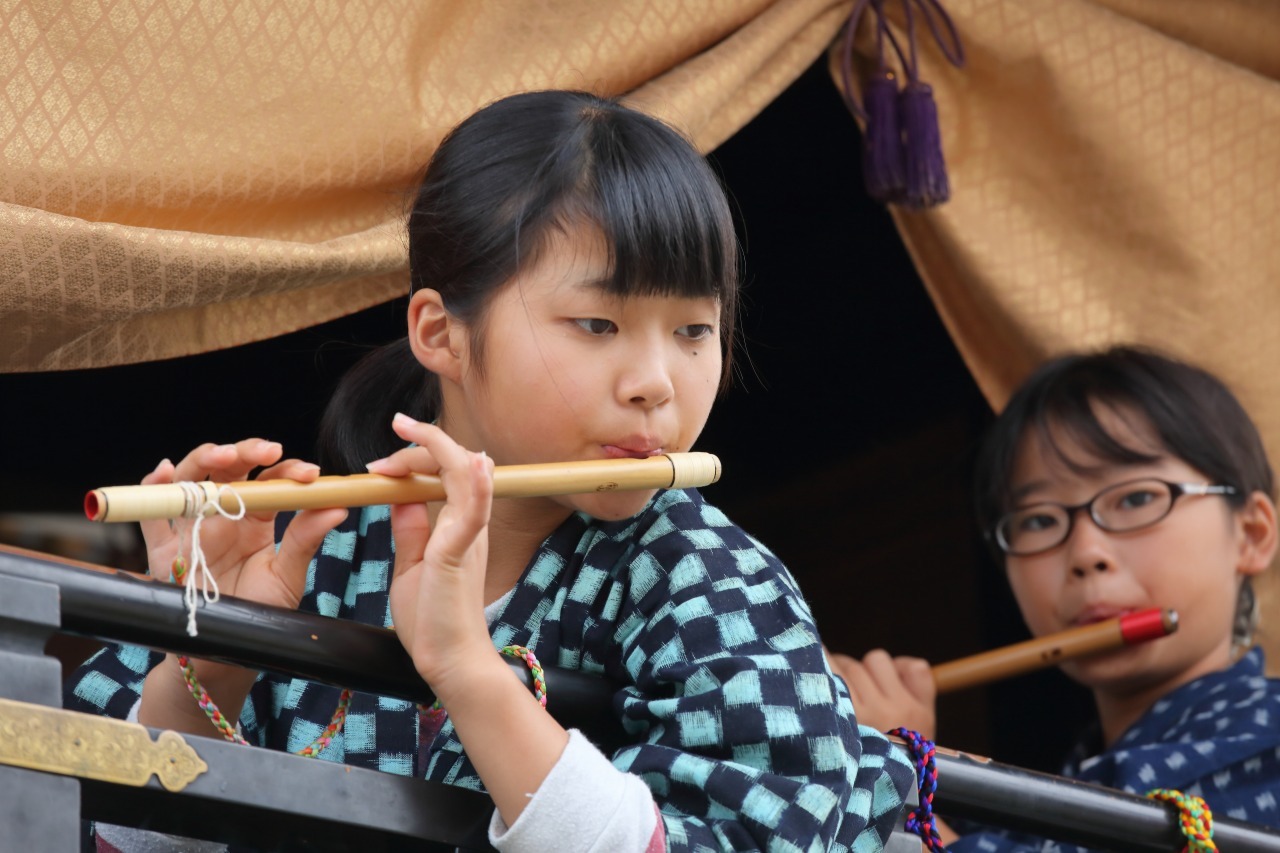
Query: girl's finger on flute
(410,460)
(406,461)
(300,542)
(299,470)
(290,469)
(225,463)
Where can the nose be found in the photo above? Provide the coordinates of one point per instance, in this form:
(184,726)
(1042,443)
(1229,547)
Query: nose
(645,379)
(1088,546)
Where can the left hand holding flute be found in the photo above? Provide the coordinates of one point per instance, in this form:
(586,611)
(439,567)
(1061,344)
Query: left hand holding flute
(241,554)
(242,561)
(888,692)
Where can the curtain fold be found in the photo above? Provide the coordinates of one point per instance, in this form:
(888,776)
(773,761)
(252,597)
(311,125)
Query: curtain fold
(180,177)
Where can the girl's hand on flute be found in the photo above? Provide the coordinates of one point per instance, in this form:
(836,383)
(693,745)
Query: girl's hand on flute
(242,558)
(889,692)
(437,590)
(241,554)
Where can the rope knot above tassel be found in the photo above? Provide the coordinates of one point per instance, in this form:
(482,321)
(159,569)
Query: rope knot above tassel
(201,500)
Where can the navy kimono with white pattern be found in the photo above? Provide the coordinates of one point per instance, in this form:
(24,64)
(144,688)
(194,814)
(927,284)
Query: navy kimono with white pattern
(1217,738)
(737,725)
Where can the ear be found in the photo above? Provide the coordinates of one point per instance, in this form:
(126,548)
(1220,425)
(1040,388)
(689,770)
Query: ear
(1257,524)
(435,336)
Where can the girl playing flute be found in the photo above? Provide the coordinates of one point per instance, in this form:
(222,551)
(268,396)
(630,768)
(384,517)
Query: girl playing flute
(1113,482)
(574,283)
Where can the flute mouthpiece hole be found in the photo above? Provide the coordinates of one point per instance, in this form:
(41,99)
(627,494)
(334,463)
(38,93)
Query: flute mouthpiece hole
(91,506)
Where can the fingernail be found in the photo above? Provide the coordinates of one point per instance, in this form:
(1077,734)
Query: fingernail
(375,465)
(225,447)
(309,466)
(163,462)
(402,418)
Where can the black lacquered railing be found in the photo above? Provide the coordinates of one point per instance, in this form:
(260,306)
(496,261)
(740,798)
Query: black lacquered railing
(285,802)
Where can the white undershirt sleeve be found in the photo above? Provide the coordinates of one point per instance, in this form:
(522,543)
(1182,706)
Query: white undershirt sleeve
(584,804)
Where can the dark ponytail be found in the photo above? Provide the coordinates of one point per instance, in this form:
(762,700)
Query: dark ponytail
(356,425)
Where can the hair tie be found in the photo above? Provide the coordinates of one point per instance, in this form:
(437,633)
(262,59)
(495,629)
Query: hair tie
(1194,818)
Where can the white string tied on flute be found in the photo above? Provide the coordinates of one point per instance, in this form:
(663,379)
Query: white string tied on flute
(201,500)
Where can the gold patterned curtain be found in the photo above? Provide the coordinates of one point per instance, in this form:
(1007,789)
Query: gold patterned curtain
(179,177)
(1115,177)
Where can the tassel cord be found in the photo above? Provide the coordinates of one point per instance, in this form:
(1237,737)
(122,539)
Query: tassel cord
(953,51)
(846,51)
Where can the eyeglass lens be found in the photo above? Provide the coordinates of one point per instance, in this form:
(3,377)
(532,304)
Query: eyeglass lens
(1126,506)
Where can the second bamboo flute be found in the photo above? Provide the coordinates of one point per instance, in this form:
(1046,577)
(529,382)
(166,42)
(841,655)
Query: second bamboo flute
(179,500)
(1053,649)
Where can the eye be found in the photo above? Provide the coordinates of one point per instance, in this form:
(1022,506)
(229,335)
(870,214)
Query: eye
(595,325)
(1035,522)
(1136,498)
(696,331)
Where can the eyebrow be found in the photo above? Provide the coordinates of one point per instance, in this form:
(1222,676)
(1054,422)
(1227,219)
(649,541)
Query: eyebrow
(1035,485)
(1026,489)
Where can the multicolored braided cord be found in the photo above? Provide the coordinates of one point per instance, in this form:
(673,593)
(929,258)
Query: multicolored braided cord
(221,723)
(921,820)
(1194,818)
(535,672)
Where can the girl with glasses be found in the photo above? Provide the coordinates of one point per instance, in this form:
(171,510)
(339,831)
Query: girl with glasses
(1114,482)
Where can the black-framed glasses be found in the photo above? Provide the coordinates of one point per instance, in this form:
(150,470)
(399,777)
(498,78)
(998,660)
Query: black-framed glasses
(1131,505)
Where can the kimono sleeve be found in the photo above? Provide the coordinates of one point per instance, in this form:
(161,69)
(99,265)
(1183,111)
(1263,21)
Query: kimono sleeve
(109,683)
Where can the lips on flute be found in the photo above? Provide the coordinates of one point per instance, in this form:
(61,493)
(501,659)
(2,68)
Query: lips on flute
(1042,652)
(175,500)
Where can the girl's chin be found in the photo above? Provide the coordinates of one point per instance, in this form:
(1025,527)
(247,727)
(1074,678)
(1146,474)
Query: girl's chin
(1124,670)
(613,506)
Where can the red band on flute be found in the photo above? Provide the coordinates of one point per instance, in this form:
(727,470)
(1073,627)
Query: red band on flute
(1144,625)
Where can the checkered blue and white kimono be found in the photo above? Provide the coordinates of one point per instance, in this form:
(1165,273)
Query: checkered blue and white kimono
(737,725)
(1217,738)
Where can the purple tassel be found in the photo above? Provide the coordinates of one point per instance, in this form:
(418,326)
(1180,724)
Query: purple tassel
(926,172)
(883,169)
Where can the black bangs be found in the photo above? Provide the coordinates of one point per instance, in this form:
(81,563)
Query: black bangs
(655,201)
(1070,409)
(507,178)
(661,209)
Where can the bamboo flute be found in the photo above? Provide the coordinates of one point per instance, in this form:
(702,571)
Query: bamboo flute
(179,500)
(1053,649)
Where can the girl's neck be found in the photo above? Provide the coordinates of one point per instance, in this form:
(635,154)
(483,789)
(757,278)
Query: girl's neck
(1118,710)
(517,527)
